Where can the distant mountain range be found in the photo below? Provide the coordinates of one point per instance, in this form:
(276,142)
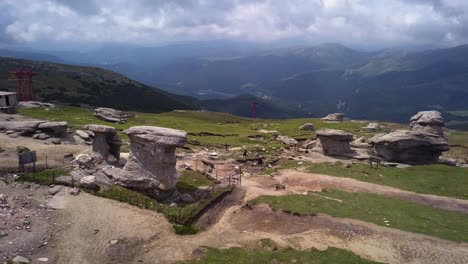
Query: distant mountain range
(300,81)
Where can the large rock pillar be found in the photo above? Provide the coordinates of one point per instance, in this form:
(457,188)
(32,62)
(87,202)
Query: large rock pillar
(151,166)
(106,142)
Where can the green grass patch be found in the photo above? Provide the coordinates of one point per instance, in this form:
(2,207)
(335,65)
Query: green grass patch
(431,179)
(376,209)
(190,180)
(183,215)
(185,230)
(237,255)
(45,177)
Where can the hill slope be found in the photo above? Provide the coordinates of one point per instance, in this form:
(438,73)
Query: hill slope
(93,86)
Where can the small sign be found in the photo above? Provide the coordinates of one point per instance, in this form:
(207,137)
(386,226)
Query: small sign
(26,158)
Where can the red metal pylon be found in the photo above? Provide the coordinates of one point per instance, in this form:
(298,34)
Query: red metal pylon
(25,82)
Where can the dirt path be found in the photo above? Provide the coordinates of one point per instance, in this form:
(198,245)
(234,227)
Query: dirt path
(99,230)
(301,181)
(54,153)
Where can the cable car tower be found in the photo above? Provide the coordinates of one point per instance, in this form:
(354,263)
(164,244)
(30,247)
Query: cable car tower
(254,109)
(25,82)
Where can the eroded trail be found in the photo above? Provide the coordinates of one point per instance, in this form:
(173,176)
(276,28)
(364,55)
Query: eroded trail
(301,181)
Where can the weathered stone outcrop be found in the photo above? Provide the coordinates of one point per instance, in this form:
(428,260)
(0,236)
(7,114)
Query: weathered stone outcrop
(286,140)
(336,117)
(410,147)
(373,126)
(428,121)
(56,129)
(20,127)
(111,115)
(307,127)
(334,142)
(151,166)
(422,144)
(106,142)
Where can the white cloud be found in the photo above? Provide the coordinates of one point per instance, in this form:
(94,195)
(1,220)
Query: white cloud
(373,22)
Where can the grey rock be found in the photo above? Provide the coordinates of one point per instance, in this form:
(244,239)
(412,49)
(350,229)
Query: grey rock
(54,190)
(428,122)
(373,126)
(187,198)
(55,141)
(82,134)
(89,182)
(334,142)
(111,115)
(43,136)
(75,191)
(151,164)
(106,141)
(57,129)
(336,117)
(20,127)
(307,127)
(20,259)
(34,104)
(286,140)
(410,147)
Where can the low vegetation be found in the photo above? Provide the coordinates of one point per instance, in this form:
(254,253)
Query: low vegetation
(190,180)
(380,210)
(431,179)
(237,255)
(45,177)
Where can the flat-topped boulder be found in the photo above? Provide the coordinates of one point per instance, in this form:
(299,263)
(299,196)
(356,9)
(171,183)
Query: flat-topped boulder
(334,142)
(21,127)
(336,117)
(106,142)
(412,147)
(307,127)
(151,166)
(157,135)
(57,129)
(111,115)
(100,128)
(428,121)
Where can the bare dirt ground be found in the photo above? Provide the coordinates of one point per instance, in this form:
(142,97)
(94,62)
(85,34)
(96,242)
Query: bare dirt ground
(54,153)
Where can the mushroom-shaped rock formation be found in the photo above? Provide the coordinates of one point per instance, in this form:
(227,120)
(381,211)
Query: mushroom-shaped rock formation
(56,129)
(151,166)
(337,117)
(334,142)
(412,147)
(106,142)
(428,121)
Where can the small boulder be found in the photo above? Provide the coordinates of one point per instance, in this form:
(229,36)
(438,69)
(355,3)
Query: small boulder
(307,127)
(20,260)
(82,134)
(54,190)
(187,198)
(89,182)
(335,117)
(373,126)
(75,191)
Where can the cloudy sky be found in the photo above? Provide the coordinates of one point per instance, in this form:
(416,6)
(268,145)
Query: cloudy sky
(379,23)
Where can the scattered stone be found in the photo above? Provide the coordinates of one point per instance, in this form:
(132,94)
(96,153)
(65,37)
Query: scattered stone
(43,136)
(84,161)
(20,259)
(75,191)
(89,182)
(55,141)
(34,104)
(187,198)
(336,117)
(54,190)
(42,259)
(286,140)
(307,127)
(21,127)
(334,142)
(82,134)
(360,143)
(90,133)
(114,241)
(111,115)
(373,126)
